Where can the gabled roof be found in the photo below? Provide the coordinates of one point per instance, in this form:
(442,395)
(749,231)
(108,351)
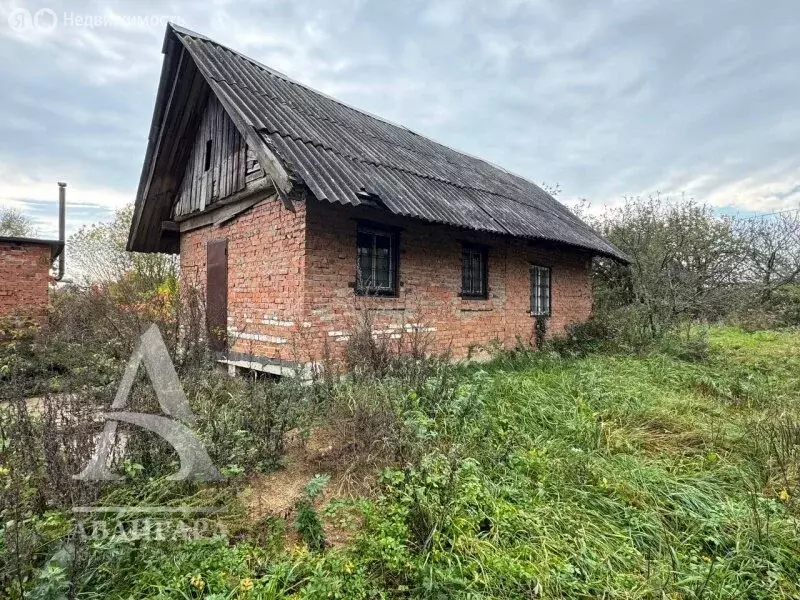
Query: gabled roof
(348,156)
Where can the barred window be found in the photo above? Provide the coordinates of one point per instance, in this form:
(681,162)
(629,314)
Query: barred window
(377,261)
(540,291)
(474,272)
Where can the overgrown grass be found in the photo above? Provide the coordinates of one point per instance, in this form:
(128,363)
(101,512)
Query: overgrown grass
(603,476)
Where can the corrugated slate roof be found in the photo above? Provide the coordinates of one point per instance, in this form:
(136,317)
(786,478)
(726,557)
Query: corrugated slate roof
(341,152)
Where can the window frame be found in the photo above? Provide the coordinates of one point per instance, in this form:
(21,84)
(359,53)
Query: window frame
(533,311)
(483,251)
(377,229)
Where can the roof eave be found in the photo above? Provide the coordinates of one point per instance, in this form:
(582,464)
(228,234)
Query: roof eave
(56,246)
(135,242)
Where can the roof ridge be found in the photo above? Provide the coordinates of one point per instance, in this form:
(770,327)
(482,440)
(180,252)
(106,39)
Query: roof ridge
(279,74)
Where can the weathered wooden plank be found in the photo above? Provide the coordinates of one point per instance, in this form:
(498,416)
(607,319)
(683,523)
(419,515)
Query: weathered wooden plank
(225,209)
(233,136)
(229,166)
(254,170)
(205,176)
(242,166)
(223,187)
(192,174)
(234,163)
(269,162)
(231,151)
(181,153)
(219,127)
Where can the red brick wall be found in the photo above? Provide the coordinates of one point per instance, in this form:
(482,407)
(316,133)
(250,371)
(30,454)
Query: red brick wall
(24,277)
(430,284)
(291,282)
(266,247)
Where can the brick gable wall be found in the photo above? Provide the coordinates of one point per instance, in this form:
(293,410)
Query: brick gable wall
(24,278)
(266,252)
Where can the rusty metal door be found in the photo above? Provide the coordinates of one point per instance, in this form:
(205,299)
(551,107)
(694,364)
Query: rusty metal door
(217,294)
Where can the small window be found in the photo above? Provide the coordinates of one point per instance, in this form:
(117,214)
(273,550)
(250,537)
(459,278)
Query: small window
(474,272)
(540,291)
(208,156)
(377,262)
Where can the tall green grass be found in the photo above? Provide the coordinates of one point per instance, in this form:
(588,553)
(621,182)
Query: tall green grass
(540,476)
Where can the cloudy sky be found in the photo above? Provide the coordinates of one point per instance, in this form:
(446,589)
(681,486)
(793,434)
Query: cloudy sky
(605,98)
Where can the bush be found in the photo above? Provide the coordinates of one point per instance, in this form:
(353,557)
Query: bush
(367,355)
(624,329)
(399,352)
(307,522)
(243,422)
(34,363)
(781,310)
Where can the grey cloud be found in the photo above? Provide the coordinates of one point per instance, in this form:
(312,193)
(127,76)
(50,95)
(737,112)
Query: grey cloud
(606,98)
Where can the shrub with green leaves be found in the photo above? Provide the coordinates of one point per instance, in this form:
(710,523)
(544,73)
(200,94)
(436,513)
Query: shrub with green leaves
(307,522)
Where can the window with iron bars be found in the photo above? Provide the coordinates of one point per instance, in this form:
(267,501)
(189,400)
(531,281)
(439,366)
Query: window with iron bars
(541,278)
(377,262)
(474,272)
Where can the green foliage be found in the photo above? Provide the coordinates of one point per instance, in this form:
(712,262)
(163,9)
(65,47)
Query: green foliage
(623,330)
(243,422)
(689,264)
(96,254)
(32,364)
(672,473)
(15,224)
(685,260)
(307,523)
(781,309)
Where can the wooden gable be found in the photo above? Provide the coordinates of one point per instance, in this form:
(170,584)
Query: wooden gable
(219,164)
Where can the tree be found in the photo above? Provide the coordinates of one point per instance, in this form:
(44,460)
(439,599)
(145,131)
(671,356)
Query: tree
(686,261)
(97,252)
(15,224)
(772,249)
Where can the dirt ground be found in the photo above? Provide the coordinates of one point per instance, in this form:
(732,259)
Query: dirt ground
(323,452)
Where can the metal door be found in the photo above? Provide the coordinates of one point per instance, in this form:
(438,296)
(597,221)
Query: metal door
(217,294)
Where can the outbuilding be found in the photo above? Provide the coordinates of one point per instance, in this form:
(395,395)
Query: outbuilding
(25,275)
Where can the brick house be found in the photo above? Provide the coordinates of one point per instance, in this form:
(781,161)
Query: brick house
(25,275)
(292,212)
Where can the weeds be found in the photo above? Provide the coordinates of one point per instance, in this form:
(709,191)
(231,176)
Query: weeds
(555,473)
(243,422)
(307,523)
